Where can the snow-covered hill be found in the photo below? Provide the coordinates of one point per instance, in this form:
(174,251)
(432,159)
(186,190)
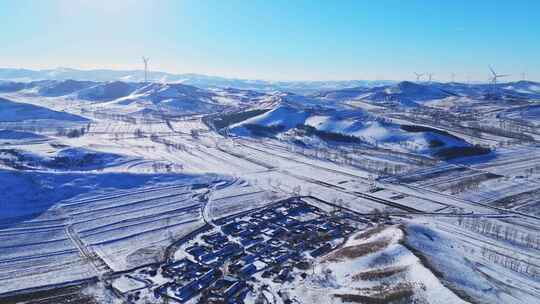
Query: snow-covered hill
(499,91)
(107,91)
(410,94)
(60,88)
(138,97)
(79,159)
(175,98)
(404,94)
(202,81)
(291,121)
(18,135)
(11,111)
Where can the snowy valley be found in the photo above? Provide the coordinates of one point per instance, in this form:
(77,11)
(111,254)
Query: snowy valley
(212,190)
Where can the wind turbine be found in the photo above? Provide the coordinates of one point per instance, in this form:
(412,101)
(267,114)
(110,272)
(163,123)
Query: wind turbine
(496,76)
(430,77)
(145,60)
(523,76)
(453,76)
(418,76)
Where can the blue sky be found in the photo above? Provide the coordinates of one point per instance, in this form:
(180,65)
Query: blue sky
(279,39)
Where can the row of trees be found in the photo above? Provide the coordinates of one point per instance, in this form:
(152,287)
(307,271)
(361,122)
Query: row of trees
(167,167)
(101,114)
(351,158)
(512,263)
(77,132)
(468,123)
(168,143)
(518,125)
(492,129)
(501,232)
(470,183)
(533,170)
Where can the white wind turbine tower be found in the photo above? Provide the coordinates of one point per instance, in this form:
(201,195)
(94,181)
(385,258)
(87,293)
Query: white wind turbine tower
(496,76)
(523,76)
(145,60)
(430,77)
(418,76)
(453,76)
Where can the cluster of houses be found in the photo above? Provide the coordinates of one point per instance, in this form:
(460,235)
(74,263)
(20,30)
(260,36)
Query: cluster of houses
(276,243)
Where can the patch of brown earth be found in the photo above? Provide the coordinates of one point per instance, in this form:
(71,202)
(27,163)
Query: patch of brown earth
(377,274)
(356,251)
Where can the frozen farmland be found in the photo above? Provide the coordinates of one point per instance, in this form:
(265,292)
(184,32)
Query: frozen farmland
(162,192)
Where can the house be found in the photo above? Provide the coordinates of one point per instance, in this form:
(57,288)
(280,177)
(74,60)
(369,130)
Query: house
(208,257)
(231,228)
(278,232)
(197,251)
(324,249)
(215,239)
(235,288)
(284,275)
(281,258)
(274,242)
(217,293)
(250,241)
(257,248)
(179,267)
(247,233)
(229,250)
(248,270)
(186,292)
(207,279)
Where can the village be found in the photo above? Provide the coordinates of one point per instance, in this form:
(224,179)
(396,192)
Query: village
(236,255)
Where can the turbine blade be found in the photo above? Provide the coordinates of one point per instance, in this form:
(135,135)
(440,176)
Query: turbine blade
(492,71)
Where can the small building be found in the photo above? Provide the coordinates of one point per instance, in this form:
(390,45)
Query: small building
(215,239)
(248,270)
(179,267)
(284,275)
(322,250)
(197,251)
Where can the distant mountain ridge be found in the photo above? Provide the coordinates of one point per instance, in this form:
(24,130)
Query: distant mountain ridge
(140,97)
(412,94)
(198,80)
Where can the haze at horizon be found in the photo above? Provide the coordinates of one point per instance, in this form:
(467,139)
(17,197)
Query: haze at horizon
(279,40)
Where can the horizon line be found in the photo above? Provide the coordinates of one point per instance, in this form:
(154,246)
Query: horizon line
(471,81)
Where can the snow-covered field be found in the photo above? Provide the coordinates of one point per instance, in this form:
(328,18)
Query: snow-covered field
(98,178)
(475,265)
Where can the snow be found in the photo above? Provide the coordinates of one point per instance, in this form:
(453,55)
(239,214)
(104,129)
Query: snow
(18,135)
(285,116)
(125,230)
(530,113)
(203,81)
(125,284)
(31,193)
(353,123)
(331,277)
(151,181)
(11,111)
(464,268)
(106,91)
